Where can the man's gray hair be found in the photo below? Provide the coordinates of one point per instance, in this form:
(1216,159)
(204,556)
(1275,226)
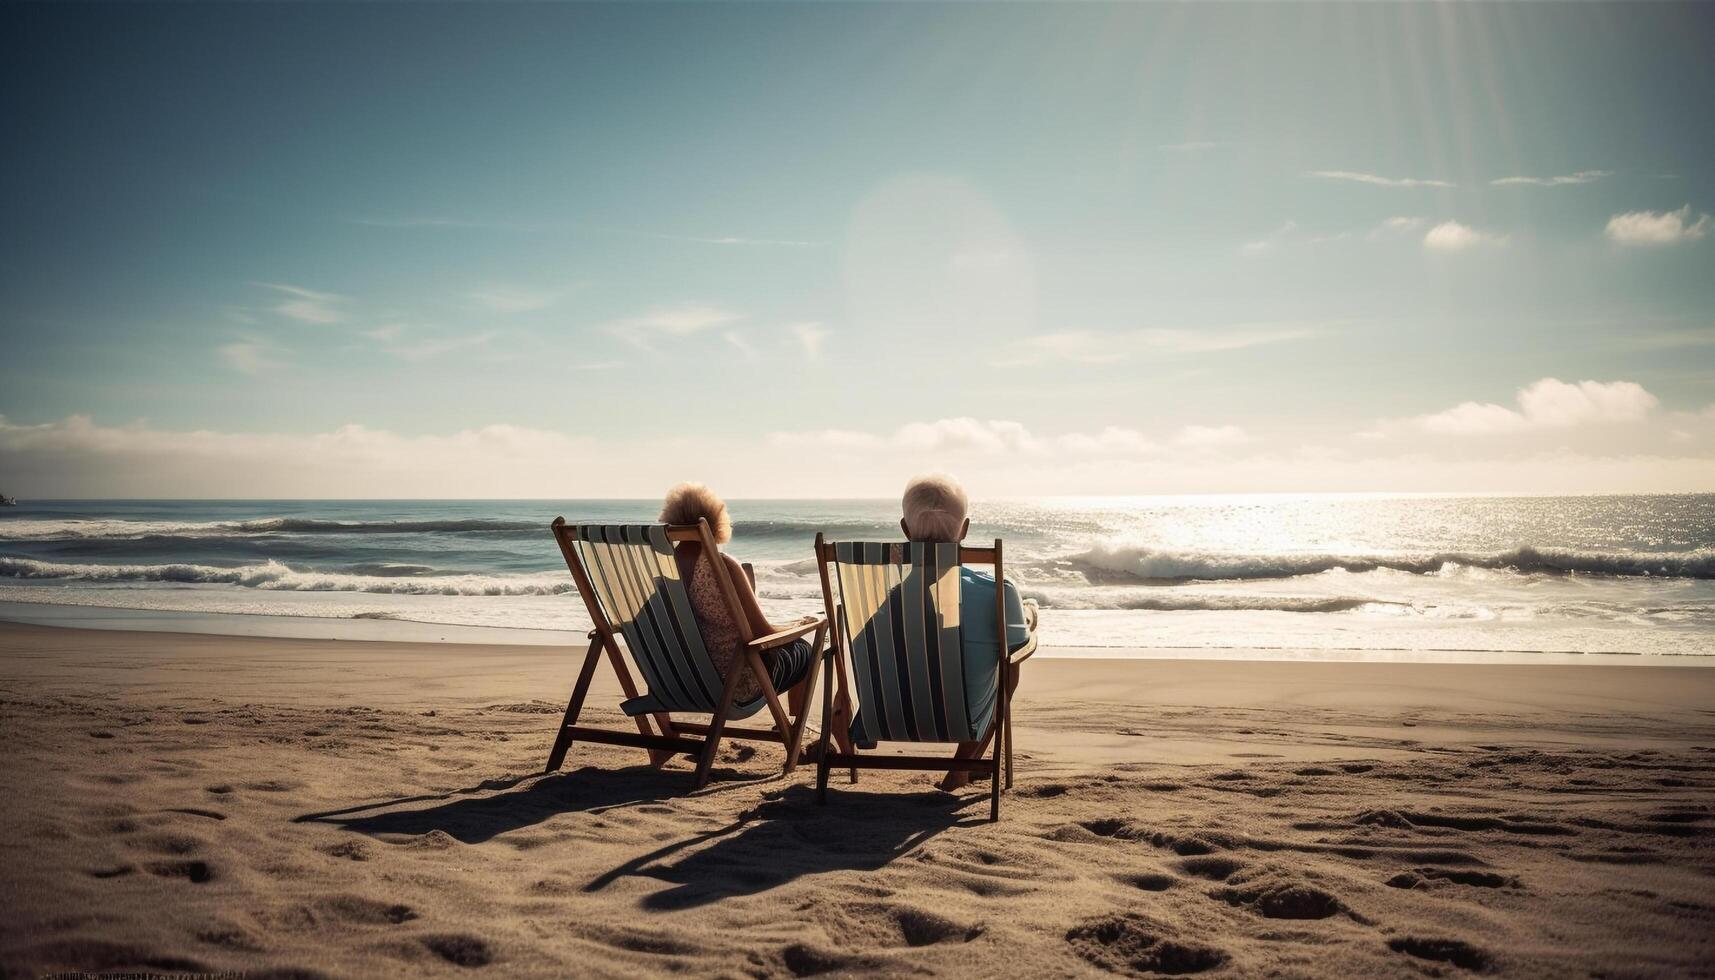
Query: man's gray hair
(935,508)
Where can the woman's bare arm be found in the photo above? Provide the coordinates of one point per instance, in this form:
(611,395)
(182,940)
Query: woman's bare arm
(759,624)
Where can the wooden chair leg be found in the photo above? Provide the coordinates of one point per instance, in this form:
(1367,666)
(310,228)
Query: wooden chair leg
(807,691)
(827,729)
(1012,681)
(782,723)
(712,738)
(999,730)
(840,690)
(563,740)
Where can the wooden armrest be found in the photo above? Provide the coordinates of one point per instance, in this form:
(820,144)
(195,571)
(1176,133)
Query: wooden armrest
(786,636)
(1023,653)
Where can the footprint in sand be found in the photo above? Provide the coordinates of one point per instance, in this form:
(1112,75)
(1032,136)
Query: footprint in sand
(363,911)
(1283,900)
(1107,826)
(460,950)
(1150,881)
(1214,868)
(1476,879)
(918,927)
(197,872)
(805,960)
(1454,951)
(1134,946)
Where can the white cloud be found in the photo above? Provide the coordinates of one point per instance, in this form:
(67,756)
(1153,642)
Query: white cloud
(386,332)
(1657,227)
(251,355)
(1551,402)
(828,439)
(677,321)
(1546,404)
(1112,440)
(953,436)
(1210,436)
(77,457)
(1363,178)
(306,305)
(1581,177)
(966,435)
(1398,225)
(810,336)
(1451,236)
(512,299)
(1190,146)
(979,437)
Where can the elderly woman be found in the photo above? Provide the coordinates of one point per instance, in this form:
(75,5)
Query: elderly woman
(723,636)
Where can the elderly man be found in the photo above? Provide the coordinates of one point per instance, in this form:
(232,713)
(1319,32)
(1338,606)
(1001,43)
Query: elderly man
(936,509)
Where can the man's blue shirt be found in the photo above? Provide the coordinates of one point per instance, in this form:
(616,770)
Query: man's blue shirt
(981,651)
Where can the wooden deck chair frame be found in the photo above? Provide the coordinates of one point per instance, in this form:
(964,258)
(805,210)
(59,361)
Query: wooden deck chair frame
(701,741)
(1001,725)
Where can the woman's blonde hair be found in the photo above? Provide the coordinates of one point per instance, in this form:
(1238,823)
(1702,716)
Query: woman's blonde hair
(688,503)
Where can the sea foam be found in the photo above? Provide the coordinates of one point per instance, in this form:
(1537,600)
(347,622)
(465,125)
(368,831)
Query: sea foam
(1155,564)
(273,575)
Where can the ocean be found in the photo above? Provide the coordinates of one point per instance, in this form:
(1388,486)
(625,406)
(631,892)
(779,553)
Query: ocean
(1292,575)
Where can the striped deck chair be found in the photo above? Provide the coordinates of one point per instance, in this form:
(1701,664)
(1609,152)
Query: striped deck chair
(896,606)
(629,581)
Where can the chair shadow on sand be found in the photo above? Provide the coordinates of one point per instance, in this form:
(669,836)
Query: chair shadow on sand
(788,836)
(784,837)
(473,819)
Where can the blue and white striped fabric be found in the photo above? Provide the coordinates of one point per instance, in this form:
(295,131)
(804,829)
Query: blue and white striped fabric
(636,579)
(901,627)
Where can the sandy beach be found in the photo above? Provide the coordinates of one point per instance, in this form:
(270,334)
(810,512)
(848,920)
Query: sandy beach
(332,808)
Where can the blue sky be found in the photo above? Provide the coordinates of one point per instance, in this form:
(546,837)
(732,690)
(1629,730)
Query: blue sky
(448,250)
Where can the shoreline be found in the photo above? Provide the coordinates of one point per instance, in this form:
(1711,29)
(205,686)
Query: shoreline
(393,630)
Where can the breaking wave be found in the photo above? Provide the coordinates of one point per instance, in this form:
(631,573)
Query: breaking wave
(1104,600)
(274,576)
(1104,565)
(84,529)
